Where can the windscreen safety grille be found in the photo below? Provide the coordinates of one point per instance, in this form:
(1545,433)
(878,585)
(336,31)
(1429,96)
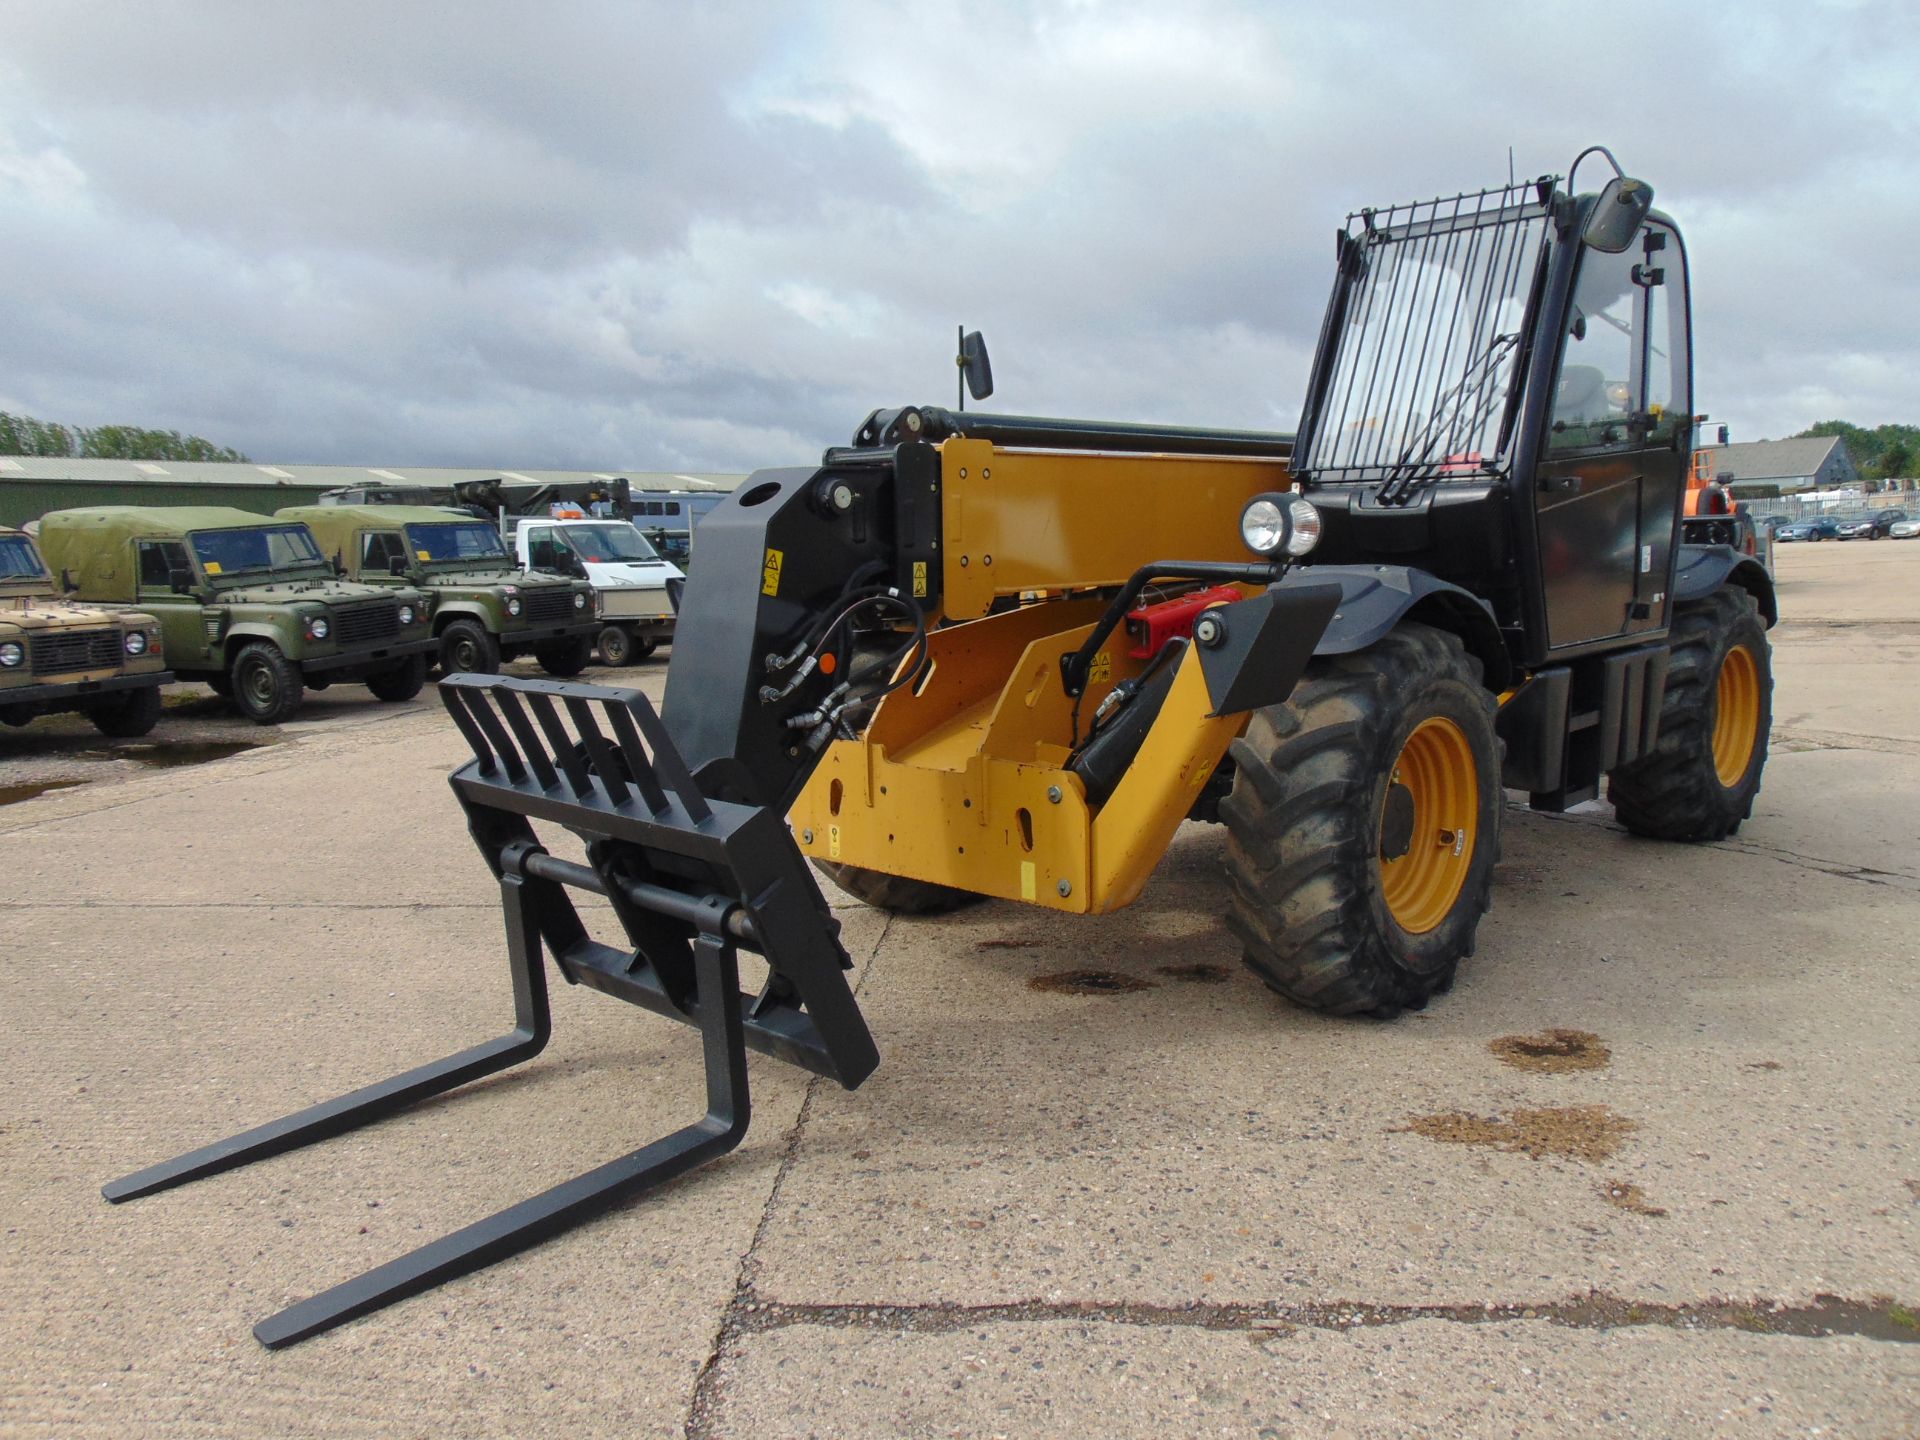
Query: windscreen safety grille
(552,603)
(356,623)
(1421,357)
(74,650)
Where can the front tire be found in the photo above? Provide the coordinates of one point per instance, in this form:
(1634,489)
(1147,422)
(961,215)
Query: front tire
(267,688)
(896,893)
(1700,779)
(128,716)
(467,648)
(564,659)
(1364,825)
(399,682)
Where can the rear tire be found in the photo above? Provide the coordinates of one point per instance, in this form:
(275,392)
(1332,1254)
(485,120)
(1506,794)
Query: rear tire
(1700,779)
(466,648)
(896,893)
(614,646)
(267,688)
(128,716)
(399,682)
(564,659)
(1324,918)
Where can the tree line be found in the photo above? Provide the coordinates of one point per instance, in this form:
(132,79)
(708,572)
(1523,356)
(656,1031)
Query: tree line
(24,435)
(1886,452)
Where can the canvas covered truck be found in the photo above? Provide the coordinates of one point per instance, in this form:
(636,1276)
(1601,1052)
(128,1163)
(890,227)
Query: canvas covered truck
(485,608)
(971,656)
(58,656)
(247,604)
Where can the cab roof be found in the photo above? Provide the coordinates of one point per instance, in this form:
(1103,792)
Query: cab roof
(386,517)
(112,523)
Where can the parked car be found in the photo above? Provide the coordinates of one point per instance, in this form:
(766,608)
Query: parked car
(1870,527)
(1807,530)
(57,655)
(485,609)
(1904,530)
(245,603)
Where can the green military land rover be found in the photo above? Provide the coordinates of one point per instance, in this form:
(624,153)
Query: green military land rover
(485,608)
(246,603)
(57,656)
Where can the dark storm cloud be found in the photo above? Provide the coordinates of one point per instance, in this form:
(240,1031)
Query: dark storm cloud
(714,237)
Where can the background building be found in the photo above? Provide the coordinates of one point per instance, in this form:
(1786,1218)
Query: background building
(31,485)
(1762,469)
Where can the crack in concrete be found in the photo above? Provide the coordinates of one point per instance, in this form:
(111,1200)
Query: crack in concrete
(706,1386)
(1844,740)
(1879,1319)
(1839,869)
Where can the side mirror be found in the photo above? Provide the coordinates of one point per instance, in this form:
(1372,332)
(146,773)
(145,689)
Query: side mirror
(975,366)
(67,583)
(574,565)
(1617,215)
(180,581)
(397,566)
(676,587)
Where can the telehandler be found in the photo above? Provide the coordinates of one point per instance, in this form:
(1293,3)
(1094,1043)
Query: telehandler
(975,655)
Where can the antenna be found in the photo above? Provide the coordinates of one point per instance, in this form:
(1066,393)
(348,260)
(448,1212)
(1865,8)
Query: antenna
(1509,167)
(960,365)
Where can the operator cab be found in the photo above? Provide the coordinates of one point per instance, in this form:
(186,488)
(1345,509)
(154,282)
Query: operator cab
(1502,397)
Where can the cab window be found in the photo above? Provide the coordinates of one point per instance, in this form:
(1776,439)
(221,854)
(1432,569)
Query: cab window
(158,560)
(1600,369)
(378,549)
(1669,385)
(545,549)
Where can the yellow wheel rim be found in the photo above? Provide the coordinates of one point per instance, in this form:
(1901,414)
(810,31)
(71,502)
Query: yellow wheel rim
(1736,724)
(1437,767)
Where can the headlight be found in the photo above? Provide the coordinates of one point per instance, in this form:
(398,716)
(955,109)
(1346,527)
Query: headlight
(579,599)
(136,643)
(406,614)
(318,628)
(1280,524)
(11,654)
(513,606)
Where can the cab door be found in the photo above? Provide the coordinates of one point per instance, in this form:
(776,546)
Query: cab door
(182,619)
(1613,465)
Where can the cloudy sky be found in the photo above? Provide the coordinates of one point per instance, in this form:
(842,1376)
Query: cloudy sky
(712,237)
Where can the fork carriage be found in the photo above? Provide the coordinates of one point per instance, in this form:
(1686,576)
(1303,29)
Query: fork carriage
(692,881)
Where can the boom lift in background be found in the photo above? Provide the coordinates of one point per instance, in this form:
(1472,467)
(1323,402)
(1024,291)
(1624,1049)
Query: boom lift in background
(973,655)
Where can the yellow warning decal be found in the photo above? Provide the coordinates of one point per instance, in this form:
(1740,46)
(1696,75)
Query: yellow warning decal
(770,572)
(1028,879)
(212,566)
(833,842)
(1101,671)
(919,579)
(422,556)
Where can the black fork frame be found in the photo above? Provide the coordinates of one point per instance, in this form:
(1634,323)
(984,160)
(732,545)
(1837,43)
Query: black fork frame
(692,882)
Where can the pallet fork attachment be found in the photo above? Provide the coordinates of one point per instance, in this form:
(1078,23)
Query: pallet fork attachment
(693,881)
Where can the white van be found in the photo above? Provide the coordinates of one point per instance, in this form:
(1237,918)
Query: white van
(628,576)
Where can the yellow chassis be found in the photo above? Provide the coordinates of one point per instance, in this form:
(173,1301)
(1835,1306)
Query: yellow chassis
(963,779)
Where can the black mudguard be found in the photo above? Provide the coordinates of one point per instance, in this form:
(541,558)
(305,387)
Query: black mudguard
(1375,598)
(1702,569)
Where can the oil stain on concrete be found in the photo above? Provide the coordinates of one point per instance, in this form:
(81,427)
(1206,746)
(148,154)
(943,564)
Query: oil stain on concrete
(1574,1132)
(1553,1052)
(1089,982)
(1625,1195)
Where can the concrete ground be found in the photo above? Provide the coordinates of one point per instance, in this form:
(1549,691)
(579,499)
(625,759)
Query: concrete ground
(1181,1208)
